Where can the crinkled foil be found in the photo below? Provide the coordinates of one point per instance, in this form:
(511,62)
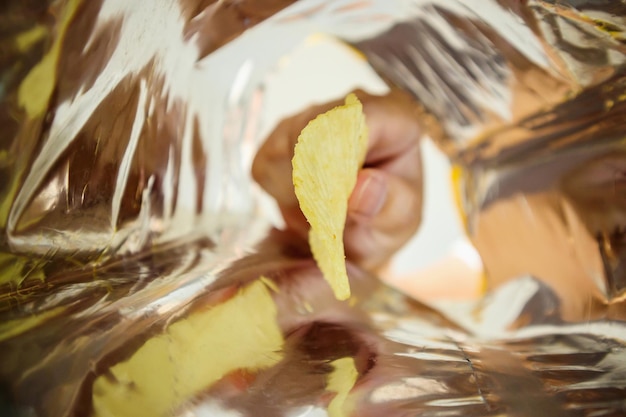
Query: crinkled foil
(138,277)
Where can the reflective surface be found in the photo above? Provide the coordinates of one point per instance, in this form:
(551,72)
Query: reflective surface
(138,276)
(265,337)
(528,102)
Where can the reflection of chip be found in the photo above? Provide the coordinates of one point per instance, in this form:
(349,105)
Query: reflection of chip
(326,161)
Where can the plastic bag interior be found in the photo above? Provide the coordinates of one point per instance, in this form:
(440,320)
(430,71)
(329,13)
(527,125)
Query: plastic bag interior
(140,273)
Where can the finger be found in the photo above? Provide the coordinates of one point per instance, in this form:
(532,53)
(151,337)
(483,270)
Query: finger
(393,132)
(369,194)
(384,211)
(271,167)
(295,220)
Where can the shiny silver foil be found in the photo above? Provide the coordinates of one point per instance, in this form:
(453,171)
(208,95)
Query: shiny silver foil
(138,276)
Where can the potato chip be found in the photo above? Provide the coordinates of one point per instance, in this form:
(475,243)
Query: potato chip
(327,158)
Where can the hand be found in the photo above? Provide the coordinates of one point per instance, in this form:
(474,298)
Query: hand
(384,210)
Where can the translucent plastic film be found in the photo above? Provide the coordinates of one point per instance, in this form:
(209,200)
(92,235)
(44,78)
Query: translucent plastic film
(139,275)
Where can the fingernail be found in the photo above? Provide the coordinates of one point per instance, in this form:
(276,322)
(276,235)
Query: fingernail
(370,196)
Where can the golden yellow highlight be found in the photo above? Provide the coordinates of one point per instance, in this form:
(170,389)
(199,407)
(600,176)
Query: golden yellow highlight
(341,381)
(16,327)
(36,88)
(194,353)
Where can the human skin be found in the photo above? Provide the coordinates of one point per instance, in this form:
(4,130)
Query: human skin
(384,210)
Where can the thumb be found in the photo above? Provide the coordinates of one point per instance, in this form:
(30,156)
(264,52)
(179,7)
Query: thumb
(384,211)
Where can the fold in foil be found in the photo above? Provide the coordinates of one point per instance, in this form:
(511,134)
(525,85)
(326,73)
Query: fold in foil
(138,276)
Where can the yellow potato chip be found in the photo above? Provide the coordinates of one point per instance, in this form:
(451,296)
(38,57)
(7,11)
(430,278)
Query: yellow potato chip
(327,158)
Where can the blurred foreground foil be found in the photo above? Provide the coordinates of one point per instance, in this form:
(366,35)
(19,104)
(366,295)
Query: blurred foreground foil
(139,278)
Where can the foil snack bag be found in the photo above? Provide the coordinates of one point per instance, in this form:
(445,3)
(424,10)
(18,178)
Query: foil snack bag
(139,277)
